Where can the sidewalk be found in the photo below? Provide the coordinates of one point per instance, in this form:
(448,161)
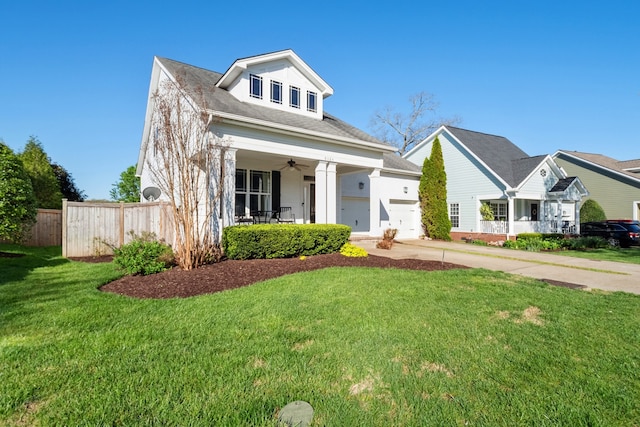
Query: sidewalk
(604,275)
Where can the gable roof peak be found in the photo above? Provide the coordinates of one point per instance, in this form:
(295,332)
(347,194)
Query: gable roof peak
(241,64)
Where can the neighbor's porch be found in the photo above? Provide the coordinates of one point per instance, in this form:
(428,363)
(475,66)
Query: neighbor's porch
(516,216)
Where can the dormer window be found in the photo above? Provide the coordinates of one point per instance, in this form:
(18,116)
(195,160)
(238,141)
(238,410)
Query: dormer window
(255,86)
(311,101)
(294,97)
(276,92)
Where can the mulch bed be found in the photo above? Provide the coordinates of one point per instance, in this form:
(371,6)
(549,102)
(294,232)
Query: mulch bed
(231,274)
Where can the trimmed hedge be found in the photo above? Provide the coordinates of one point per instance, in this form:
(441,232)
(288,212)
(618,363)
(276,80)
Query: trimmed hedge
(543,236)
(283,240)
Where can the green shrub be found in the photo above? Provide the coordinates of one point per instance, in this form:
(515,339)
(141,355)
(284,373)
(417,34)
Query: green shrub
(351,250)
(283,240)
(587,242)
(144,255)
(534,242)
(591,211)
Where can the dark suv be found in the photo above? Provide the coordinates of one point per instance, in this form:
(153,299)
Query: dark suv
(622,233)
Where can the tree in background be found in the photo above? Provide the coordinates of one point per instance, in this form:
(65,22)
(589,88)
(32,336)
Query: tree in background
(67,185)
(127,189)
(43,179)
(17,202)
(406,130)
(433,195)
(592,211)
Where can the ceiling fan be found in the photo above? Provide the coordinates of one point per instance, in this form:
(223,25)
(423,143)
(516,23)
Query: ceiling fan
(291,165)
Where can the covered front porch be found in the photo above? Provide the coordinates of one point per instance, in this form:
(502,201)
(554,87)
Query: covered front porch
(267,188)
(516,216)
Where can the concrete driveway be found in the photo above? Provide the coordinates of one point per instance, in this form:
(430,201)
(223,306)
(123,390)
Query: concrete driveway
(604,275)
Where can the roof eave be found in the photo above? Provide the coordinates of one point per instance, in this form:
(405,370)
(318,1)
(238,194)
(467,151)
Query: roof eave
(597,165)
(291,130)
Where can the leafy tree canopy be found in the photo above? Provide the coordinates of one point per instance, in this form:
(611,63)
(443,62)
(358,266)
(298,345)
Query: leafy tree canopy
(17,201)
(67,184)
(43,179)
(127,189)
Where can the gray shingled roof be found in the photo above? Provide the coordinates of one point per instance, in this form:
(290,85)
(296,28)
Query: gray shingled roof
(394,161)
(562,184)
(216,99)
(505,158)
(607,162)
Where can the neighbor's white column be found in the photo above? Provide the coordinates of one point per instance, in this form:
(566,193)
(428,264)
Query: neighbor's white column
(229,193)
(510,217)
(331,193)
(321,193)
(374,203)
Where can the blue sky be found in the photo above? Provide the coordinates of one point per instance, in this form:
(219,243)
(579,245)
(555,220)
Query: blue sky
(547,75)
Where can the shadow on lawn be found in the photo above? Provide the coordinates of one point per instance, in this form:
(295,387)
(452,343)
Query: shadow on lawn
(17,261)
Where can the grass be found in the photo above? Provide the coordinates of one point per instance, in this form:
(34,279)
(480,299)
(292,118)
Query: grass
(363,346)
(630,255)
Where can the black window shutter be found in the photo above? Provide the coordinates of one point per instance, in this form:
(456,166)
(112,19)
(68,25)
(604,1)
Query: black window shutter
(275,196)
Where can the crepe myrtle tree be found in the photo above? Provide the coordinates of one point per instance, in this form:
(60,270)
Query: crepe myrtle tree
(186,161)
(17,201)
(404,130)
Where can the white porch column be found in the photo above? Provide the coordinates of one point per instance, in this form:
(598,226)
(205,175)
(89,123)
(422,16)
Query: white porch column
(229,187)
(559,218)
(511,214)
(374,203)
(321,193)
(332,187)
(576,217)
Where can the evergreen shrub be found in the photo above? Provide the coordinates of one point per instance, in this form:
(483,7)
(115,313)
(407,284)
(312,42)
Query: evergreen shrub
(144,255)
(283,240)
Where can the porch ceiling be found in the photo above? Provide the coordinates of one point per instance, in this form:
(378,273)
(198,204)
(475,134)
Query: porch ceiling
(269,161)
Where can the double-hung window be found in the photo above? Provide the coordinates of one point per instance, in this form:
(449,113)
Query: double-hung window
(294,97)
(276,92)
(454,215)
(253,191)
(312,98)
(499,211)
(255,86)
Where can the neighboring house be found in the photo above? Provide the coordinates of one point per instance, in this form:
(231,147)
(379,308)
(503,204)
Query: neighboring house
(526,194)
(285,152)
(614,184)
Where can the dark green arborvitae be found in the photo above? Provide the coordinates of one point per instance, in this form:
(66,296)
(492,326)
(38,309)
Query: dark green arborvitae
(433,195)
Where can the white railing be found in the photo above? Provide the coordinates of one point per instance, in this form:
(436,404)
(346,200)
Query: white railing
(494,227)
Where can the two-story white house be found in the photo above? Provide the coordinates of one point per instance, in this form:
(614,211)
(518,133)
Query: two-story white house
(287,156)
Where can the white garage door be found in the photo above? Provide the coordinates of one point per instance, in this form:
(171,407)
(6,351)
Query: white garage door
(403,216)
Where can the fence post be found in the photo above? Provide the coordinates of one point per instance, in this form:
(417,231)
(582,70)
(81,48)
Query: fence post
(64,228)
(121,224)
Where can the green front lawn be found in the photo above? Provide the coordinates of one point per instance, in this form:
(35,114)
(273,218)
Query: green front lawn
(630,255)
(362,346)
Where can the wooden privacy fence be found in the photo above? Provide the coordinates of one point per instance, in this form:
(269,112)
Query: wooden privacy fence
(47,231)
(93,229)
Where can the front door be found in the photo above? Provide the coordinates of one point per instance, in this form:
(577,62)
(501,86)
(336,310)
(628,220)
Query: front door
(534,211)
(310,203)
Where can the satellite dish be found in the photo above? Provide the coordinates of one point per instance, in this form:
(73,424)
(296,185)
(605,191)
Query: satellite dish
(151,193)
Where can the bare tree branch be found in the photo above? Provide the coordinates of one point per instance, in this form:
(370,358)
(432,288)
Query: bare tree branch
(406,130)
(185,160)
